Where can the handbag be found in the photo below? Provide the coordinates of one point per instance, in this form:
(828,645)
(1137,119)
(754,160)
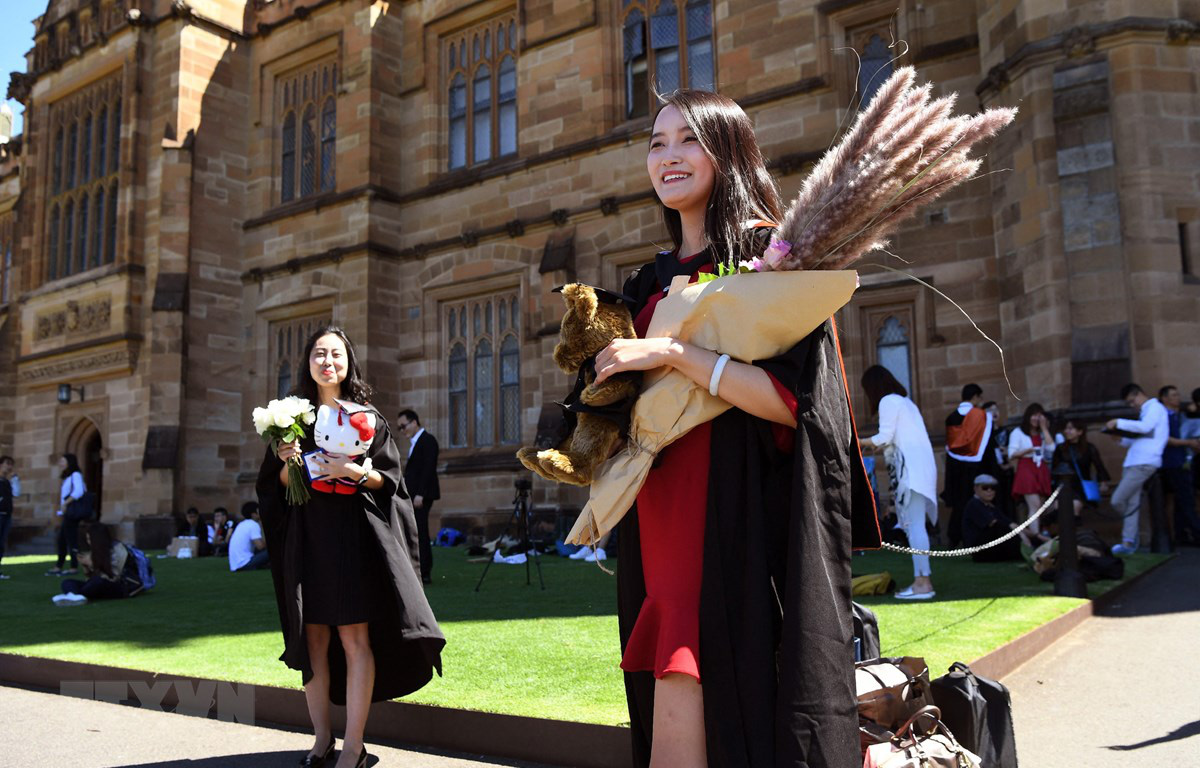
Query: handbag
(891,691)
(1091,488)
(932,747)
(81,509)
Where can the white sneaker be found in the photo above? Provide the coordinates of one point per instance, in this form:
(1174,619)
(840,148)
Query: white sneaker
(909,594)
(595,556)
(69,598)
(580,553)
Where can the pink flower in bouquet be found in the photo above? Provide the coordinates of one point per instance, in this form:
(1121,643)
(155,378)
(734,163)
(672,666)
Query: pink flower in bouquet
(776,252)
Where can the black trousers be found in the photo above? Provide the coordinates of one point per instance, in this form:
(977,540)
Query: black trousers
(95,588)
(68,542)
(1179,483)
(425,548)
(5,526)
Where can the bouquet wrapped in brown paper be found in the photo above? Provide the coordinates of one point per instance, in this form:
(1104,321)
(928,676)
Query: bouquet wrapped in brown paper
(746,316)
(903,150)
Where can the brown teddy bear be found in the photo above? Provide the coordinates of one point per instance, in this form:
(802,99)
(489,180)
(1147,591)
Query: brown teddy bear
(597,417)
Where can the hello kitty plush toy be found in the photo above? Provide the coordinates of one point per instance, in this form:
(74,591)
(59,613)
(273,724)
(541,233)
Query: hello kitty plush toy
(343,432)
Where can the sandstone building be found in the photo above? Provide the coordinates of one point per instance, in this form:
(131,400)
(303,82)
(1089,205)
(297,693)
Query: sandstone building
(200,182)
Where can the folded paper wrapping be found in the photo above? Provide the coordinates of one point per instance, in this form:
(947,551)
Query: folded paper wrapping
(754,316)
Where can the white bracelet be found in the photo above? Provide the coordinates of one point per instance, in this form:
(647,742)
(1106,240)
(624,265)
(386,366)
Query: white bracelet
(714,383)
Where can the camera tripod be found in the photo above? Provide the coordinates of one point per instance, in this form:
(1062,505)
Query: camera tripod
(519,518)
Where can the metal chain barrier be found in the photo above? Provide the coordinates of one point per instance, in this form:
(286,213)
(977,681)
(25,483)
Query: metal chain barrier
(972,550)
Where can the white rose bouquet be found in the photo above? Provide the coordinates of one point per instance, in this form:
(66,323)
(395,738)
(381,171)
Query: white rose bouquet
(283,421)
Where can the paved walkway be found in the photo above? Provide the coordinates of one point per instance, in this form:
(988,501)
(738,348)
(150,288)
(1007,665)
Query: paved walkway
(1120,691)
(41,730)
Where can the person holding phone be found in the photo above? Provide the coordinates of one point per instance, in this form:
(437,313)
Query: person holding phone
(1031,445)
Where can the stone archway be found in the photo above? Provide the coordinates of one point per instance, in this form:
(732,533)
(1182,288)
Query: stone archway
(84,440)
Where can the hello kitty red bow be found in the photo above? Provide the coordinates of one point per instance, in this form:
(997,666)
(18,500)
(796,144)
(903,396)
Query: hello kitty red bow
(360,422)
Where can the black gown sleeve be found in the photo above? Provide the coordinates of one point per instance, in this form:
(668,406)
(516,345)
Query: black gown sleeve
(385,459)
(274,513)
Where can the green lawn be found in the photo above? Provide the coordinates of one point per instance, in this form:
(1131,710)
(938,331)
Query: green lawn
(511,648)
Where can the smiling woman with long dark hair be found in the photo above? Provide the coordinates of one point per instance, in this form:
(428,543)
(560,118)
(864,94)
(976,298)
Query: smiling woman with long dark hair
(355,619)
(734,566)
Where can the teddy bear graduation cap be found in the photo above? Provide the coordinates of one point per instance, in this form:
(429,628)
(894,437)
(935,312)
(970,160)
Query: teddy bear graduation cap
(596,417)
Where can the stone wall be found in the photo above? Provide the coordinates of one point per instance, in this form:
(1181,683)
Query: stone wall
(1068,251)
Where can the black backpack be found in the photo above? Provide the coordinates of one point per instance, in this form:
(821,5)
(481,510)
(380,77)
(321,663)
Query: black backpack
(978,711)
(866,633)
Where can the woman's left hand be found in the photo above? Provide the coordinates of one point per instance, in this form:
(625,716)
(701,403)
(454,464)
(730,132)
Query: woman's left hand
(337,467)
(633,355)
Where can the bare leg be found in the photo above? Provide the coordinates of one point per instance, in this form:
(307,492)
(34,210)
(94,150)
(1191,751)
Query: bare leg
(316,692)
(360,682)
(1034,502)
(678,723)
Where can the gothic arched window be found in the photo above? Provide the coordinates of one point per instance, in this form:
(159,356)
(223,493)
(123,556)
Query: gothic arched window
(484,407)
(481,93)
(287,168)
(875,68)
(892,350)
(307,101)
(675,50)
(457,393)
(328,144)
(84,176)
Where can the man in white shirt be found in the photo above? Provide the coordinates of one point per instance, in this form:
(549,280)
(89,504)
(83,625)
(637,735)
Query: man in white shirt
(1142,460)
(247,548)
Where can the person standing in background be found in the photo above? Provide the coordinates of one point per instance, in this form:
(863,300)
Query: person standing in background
(912,470)
(420,477)
(1142,459)
(968,433)
(1177,470)
(71,490)
(1032,445)
(10,488)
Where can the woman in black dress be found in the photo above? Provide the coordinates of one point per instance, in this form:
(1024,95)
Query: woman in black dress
(734,565)
(354,615)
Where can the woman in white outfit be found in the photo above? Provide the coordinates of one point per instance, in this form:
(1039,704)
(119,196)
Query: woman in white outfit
(911,468)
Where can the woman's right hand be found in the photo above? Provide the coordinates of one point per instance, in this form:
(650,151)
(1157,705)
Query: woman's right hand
(286,451)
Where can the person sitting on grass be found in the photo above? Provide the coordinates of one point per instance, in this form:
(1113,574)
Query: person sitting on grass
(103,562)
(983,522)
(247,547)
(221,529)
(193,525)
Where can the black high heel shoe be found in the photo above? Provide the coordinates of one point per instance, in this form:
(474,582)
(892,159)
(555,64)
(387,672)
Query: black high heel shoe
(318,761)
(362,758)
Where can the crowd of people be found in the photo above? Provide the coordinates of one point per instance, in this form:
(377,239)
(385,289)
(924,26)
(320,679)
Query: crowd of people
(995,476)
(242,543)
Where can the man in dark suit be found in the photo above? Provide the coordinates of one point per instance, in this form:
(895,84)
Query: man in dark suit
(420,477)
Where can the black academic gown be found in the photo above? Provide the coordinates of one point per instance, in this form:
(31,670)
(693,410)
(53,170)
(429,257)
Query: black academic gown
(405,640)
(776,648)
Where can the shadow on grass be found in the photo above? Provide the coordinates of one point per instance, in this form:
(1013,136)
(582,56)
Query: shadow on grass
(201,598)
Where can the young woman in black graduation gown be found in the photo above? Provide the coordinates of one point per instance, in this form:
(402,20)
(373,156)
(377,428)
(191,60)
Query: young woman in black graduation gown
(751,664)
(355,619)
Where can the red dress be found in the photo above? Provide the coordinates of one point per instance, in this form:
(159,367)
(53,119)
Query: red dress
(1032,477)
(672,507)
